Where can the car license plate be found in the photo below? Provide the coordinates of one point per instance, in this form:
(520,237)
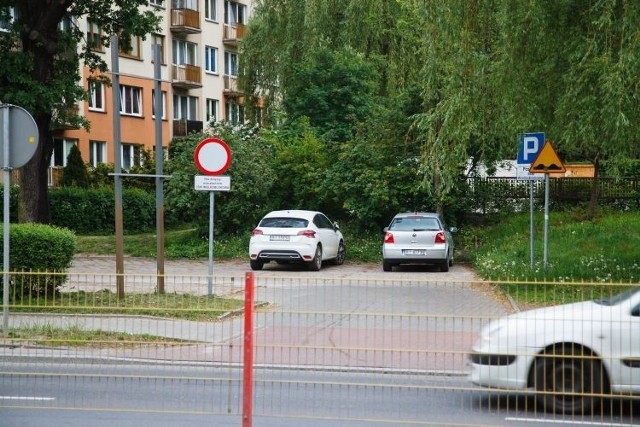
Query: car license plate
(414,252)
(279,238)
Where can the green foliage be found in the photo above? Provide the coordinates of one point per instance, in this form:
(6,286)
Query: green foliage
(335,89)
(603,249)
(252,177)
(14,195)
(92,211)
(39,248)
(75,173)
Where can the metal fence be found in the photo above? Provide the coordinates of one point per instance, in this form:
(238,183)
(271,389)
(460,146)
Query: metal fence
(328,346)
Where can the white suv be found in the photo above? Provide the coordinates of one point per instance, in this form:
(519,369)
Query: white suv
(296,236)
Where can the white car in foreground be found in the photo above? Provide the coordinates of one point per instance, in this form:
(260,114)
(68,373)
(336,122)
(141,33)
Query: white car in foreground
(571,355)
(296,236)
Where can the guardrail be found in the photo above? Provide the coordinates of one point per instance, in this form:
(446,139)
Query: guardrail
(392,348)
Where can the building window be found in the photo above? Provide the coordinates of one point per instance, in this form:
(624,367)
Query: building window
(61,150)
(97,152)
(96,95)
(210,12)
(234,13)
(131,100)
(133,50)
(131,155)
(211,59)
(7,18)
(184,53)
(185,107)
(159,39)
(212,110)
(184,4)
(94,34)
(231,63)
(234,112)
(164,104)
(159,3)
(66,25)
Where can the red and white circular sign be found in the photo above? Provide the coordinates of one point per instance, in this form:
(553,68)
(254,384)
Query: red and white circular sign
(212,156)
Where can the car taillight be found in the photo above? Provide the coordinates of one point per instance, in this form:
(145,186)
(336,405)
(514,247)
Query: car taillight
(256,232)
(388,237)
(307,233)
(441,238)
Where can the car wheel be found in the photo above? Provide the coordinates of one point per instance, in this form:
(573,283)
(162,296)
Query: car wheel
(444,267)
(568,381)
(256,265)
(339,259)
(386,266)
(316,263)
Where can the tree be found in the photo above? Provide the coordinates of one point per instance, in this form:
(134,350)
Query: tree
(40,65)
(75,173)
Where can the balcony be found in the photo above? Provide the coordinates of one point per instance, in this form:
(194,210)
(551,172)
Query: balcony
(65,118)
(186,76)
(233,33)
(183,127)
(231,85)
(185,21)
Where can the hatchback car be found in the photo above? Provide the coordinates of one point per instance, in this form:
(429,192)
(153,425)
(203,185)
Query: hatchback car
(296,236)
(571,355)
(417,238)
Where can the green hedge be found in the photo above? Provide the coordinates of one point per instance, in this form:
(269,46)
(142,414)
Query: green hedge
(38,248)
(92,211)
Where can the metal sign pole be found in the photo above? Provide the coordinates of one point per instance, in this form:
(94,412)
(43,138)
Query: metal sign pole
(211,206)
(6,176)
(531,222)
(546,218)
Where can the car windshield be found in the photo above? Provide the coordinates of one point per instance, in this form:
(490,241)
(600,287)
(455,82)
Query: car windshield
(276,222)
(617,298)
(414,223)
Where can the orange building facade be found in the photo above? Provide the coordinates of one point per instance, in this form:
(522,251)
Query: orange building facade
(198,42)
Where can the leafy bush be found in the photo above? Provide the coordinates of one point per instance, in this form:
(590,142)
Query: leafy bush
(39,248)
(92,211)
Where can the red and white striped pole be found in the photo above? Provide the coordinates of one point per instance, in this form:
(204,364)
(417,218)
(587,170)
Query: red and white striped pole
(247,386)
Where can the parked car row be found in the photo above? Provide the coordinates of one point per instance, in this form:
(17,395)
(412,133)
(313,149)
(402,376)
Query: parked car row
(311,238)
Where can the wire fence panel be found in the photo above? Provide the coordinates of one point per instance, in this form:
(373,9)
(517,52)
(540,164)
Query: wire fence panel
(388,349)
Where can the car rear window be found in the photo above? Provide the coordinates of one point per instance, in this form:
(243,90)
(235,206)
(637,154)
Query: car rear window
(414,223)
(276,222)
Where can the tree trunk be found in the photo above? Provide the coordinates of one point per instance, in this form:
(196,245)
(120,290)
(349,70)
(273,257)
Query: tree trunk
(34,185)
(595,190)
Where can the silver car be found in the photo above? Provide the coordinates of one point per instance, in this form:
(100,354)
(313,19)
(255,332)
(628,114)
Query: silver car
(417,238)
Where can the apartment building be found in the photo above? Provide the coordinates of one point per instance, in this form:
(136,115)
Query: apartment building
(199,66)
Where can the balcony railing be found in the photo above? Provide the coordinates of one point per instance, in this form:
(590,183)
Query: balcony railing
(183,127)
(231,85)
(186,76)
(233,33)
(186,21)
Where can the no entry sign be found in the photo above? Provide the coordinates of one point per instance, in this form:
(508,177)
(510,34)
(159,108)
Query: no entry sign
(212,156)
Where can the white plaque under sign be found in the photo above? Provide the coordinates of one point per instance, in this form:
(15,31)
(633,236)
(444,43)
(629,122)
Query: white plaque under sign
(212,183)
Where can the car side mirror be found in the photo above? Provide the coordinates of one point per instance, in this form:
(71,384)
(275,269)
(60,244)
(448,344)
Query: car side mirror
(384,230)
(336,226)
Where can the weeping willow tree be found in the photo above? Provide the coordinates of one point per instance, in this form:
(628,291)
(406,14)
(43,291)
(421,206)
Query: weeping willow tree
(573,68)
(455,41)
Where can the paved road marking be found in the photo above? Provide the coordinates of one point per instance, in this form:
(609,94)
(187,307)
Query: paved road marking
(569,422)
(26,398)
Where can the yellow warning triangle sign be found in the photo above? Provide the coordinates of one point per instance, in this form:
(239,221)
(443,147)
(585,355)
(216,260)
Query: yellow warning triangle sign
(547,161)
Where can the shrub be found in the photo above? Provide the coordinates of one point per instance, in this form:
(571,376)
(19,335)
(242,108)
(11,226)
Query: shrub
(39,248)
(92,211)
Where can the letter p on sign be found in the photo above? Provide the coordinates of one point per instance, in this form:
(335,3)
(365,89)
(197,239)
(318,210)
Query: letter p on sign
(530,145)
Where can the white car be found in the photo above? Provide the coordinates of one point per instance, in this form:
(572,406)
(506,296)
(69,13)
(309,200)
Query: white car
(298,236)
(571,355)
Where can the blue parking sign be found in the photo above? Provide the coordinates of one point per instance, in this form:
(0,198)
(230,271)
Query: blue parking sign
(530,145)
